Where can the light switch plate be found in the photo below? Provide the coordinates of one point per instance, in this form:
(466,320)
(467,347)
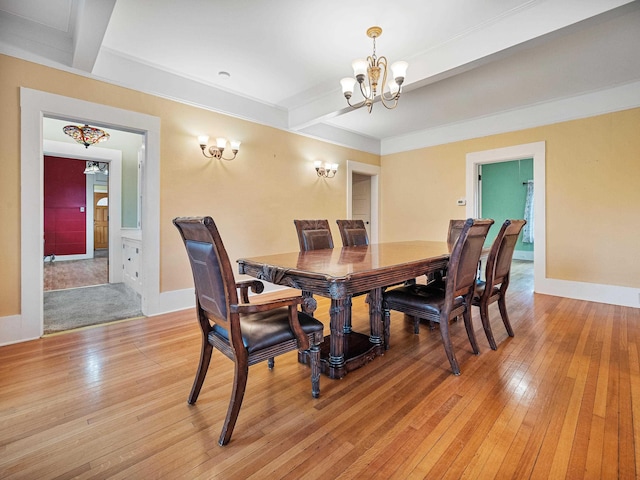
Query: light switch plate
(462,202)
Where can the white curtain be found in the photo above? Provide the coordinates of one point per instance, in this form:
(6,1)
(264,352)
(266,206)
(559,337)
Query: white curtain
(527,231)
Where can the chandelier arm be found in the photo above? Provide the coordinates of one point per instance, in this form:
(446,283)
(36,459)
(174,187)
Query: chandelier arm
(390,106)
(386,101)
(357,105)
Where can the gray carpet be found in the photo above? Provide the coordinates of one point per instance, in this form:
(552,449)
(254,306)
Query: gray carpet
(80,307)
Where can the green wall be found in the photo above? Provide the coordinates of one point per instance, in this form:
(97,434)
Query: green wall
(503,194)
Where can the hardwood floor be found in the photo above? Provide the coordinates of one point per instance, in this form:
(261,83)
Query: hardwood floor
(559,400)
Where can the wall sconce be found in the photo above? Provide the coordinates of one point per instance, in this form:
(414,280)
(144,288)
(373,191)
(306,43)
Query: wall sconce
(218,150)
(328,170)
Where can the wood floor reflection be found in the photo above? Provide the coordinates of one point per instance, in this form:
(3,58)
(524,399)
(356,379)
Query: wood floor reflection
(559,400)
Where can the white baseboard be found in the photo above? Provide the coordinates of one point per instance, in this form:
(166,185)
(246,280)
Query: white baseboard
(64,258)
(592,292)
(11,330)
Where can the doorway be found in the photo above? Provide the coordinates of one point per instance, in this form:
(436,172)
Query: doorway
(100,218)
(536,151)
(361,199)
(34,104)
(69,254)
(87,288)
(363,194)
(504,189)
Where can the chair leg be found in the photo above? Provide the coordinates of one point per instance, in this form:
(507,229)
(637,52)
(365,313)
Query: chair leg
(203,367)
(486,324)
(416,324)
(448,347)
(271,363)
(468,325)
(239,386)
(314,356)
(502,304)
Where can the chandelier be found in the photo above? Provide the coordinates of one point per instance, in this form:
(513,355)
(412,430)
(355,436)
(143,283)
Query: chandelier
(86,135)
(368,74)
(96,167)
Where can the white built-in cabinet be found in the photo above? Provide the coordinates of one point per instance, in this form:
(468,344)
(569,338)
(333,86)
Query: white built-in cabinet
(132,259)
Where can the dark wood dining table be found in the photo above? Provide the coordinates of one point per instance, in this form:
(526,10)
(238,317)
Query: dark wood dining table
(341,273)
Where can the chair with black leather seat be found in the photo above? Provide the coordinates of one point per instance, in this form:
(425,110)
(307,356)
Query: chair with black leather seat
(313,234)
(353,233)
(455,227)
(245,332)
(494,287)
(441,305)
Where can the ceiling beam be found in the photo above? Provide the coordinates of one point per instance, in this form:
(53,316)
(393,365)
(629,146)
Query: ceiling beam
(90,25)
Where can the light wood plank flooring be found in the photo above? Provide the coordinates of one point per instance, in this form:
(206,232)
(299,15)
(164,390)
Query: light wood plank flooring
(560,400)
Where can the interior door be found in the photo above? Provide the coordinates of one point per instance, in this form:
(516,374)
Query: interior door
(361,200)
(100,220)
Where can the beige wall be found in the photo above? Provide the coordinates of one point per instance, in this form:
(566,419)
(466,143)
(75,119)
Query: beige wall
(254,199)
(592,194)
(592,168)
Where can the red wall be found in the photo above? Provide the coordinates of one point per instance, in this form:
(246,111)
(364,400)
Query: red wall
(65,192)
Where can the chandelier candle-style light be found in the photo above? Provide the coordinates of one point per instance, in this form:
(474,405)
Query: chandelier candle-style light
(368,74)
(218,150)
(96,167)
(86,135)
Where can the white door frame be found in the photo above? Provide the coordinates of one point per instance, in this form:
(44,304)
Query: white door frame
(34,106)
(537,151)
(372,171)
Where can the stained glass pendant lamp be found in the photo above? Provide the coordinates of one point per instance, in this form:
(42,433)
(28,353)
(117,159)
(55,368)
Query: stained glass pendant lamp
(86,135)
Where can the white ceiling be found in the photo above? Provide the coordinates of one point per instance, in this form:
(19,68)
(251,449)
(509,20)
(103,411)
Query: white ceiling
(468,59)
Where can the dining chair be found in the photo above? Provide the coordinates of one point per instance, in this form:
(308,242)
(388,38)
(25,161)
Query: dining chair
(353,233)
(455,227)
(313,234)
(245,332)
(441,305)
(494,287)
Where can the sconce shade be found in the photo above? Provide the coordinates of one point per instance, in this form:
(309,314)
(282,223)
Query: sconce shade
(86,135)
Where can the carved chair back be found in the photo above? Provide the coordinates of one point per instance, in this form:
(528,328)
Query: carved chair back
(212,277)
(313,234)
(353,233)
(463,263)
(501,254)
